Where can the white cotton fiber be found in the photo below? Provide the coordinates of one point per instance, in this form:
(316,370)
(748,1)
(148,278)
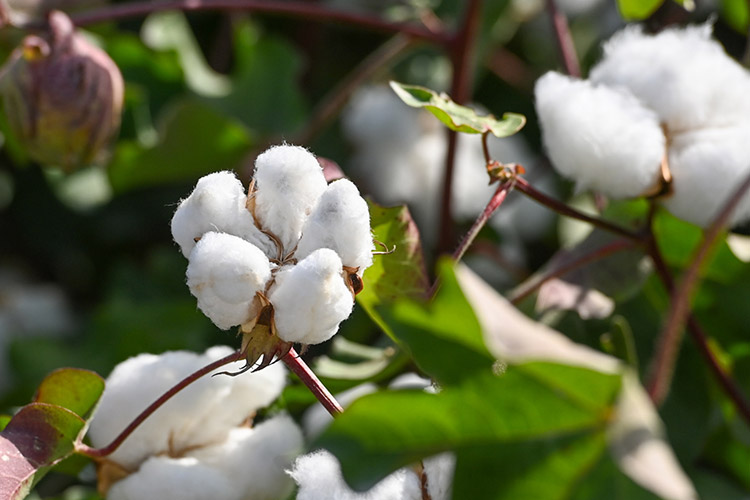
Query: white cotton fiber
(200,414)
(218,203)
(602,138)
(707,166)
(166,478)
(439,470)
(311,298)
(224,274)
(340,221)
(682,74)
(318,476)
(289,182)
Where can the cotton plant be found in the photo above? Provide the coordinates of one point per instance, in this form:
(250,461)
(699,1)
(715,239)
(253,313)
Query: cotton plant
(284,260)
(664,115)
(199,444)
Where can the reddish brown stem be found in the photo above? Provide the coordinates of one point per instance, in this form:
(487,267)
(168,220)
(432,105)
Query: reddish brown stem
(523,186)
(668,344)
(592,256)
(564,40)
(111,447)
(298,366)
(495,202)
(309,11)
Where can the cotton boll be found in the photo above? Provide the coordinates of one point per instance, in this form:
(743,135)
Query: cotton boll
(218,203)
(682,74)
(255,459)
(224,274)
(439,470)
(318,475)
(289,182)
(376,116)
(707,166)
(169,478)
(311,298)
(340,221)
(603,138)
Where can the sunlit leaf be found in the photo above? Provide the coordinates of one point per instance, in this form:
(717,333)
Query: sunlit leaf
(72,388)
(638,9)
(457,117)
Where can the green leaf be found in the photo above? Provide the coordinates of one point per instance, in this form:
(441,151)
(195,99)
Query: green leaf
(534,404)
(443,335)
(457,117)
(37,437)
(736,13)
(72,388)
(194,140)
(636,10)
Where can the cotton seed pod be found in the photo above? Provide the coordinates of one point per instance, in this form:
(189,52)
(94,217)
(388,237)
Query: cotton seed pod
(218,203)
(62,95)
(289,182)
(340,221)
(311,298)
(601,137)
(224,274)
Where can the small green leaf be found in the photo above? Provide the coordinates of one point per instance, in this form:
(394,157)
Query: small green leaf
(72,388)
(636,10)
(457,117)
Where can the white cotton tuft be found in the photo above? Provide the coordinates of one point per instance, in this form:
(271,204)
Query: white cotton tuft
(218,203)
(439,470)
(311,298)
(682,74)
(340,221)
(602,138)
(200,414)
(289,182)
(224,274)
(318,476)
(169,478)
(707,166)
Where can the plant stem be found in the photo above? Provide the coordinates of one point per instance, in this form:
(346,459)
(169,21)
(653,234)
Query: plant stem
(296,364)
(599,253)
(111,447)
(497,199)
(563,209)
(662,367)
(309,11)
(564,39)
(462,45)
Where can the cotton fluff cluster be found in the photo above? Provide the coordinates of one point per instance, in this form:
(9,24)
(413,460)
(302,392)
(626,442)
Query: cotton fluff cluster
(198,444)
(675,96)
(293,243)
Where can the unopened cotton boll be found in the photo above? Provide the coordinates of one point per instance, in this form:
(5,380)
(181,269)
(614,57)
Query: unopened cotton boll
(200,414)
(218,203)
(601,137)
(340,221)
(707,166)
(224,274)
(318,476)
(311,298)
(682,74)
(289,181)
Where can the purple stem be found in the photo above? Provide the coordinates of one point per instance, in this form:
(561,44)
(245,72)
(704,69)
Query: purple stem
(564,40)
(296,364)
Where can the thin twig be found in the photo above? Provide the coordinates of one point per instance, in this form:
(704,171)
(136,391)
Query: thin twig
(668,344)
(497,199)
(111,447)
(523,186)
(564,39)
(309,11)
(298,366)
(598,253)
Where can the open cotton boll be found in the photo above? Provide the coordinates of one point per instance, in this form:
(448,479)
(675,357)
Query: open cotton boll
(682,74)
(602,138)
(224,274)
(218,203)
(311,298)
(200,414)
(289,182)
(169,478)
(707,166)
(439,470)
(318,476)
(256,459)
(340,221)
